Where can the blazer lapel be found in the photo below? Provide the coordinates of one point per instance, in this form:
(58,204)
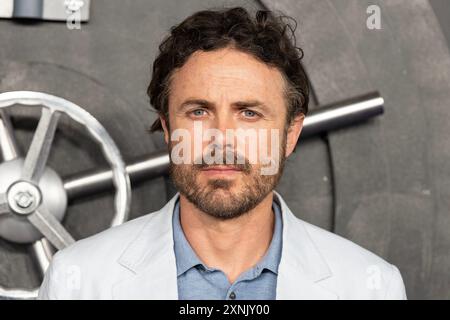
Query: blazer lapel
(149,260)
(302,267)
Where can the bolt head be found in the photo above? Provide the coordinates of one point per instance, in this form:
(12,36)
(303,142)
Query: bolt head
(24,199)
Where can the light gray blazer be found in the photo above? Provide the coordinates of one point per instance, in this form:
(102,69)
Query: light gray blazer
(136,260)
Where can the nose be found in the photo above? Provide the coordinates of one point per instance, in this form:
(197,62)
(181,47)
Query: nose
(222,122)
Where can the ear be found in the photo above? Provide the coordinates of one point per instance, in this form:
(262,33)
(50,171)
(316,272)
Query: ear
(165,129)
(293,133)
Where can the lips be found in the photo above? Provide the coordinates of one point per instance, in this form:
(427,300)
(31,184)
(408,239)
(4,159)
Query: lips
(221,169)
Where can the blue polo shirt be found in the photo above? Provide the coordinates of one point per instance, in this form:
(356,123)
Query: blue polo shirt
(196,281)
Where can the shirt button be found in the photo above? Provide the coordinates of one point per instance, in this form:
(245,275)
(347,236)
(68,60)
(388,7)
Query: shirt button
(232,295)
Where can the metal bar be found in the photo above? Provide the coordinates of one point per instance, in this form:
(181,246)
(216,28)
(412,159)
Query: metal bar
(28,9)
(39,150)
(90,182)
(327,118)
(4,207)
(18,294)
(343,114)
(42,251)
(8,144)
(51,228)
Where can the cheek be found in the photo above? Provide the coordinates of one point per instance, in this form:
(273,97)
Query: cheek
(271,144)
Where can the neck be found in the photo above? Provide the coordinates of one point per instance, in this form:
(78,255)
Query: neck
(233,245)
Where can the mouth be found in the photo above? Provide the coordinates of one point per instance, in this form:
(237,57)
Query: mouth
(221,170)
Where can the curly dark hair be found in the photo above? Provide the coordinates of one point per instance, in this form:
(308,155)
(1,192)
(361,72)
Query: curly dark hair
(265,37)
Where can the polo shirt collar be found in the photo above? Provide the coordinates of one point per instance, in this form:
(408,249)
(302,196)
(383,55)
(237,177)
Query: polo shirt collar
(186,258)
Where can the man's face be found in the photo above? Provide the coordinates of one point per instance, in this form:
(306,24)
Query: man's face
(226,90)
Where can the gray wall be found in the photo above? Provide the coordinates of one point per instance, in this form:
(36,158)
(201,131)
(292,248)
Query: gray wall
(383,184)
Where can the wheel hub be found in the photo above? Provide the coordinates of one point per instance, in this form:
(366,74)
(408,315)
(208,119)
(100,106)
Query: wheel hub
(25,197)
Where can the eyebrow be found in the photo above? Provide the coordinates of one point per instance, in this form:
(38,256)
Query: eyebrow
(200,102)
(238,104)
(250,103)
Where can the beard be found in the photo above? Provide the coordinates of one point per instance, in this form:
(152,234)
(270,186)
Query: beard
(225,198)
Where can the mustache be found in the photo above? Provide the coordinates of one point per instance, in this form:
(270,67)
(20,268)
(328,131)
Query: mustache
(244,167)
(236,163)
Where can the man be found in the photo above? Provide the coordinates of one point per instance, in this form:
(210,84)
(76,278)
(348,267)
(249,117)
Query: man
(226,234)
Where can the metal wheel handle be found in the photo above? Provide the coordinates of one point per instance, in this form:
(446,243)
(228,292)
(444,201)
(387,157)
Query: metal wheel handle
(32,196)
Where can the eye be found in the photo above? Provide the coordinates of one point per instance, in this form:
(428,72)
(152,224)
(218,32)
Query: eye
(198,112)
(250,113)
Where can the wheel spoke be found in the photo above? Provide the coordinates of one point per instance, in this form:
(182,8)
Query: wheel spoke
(42,251)
(50,227)
(4,207)
(37,155)
(8,145)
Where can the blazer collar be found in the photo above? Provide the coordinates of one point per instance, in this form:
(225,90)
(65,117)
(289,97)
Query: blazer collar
(151,264)
(302,266)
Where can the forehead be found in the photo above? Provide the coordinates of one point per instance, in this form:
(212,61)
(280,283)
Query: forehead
(227,74)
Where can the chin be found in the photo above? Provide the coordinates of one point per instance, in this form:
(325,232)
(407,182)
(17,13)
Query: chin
(224,193)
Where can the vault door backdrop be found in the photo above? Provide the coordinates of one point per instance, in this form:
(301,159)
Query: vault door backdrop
(383,184)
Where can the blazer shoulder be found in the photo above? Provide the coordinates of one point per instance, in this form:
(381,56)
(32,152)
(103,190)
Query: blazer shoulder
(92,260)
(107,243)
(335,247)
(360,271)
